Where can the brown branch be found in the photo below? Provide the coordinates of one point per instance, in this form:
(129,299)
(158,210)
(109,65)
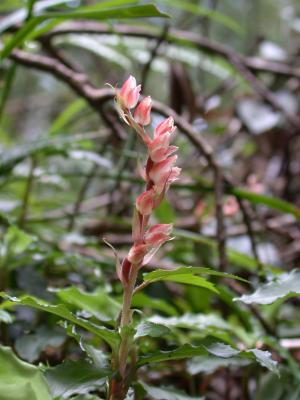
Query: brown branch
(176,36)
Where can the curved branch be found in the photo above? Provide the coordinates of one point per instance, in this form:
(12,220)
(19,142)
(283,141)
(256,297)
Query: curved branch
(176,36)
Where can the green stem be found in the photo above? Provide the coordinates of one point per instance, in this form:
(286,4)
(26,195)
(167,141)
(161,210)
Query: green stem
(118,389)
(125,321)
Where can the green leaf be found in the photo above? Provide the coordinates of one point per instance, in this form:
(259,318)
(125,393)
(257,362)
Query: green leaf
(161,273)
(262,357)
(109,336)
(67,115)
(265,359)
(281,287)
(199,322)
(186,351)
(30,346)
(17,241)
(141,11)
(19,380)
(75,377)
(214,15)
(209,364)
(98,303)
(141,300)
(222,350)
(148,328)
(271,202)
(180,275)
(219,350)
(165,393)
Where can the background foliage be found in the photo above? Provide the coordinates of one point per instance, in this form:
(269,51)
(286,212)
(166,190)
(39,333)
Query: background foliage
(230,72)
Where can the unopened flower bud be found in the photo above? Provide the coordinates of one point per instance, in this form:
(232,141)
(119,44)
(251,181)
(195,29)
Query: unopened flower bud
(166,126)
(143,111)
(145,202)
(161,169)
(129,94)
(158,234)
(137,253)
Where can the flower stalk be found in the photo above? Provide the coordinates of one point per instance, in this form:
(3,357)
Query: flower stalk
(159,172)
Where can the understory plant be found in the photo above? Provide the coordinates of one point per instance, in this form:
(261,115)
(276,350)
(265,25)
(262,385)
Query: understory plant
(159,172)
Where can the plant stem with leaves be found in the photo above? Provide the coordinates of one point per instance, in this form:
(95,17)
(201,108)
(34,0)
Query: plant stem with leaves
(159,172)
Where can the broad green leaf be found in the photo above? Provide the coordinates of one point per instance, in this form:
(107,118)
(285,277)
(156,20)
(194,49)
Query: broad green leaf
(30,346)
(271,202)
(214,15)
(193,280)
(141,300)
(165,393)
(125,12)
(262,357)
(265,359)
(97,303)
(159,274)
(210,363)
(199,322)
(281,286)
(109,336)
(218,350)
(186,351)
(180,275)
(19,380)
(148,328)
(17,241)
(222,350)
(75,377)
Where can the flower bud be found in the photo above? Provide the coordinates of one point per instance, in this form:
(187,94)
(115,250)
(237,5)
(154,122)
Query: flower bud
(129,94)
(159,148)
(145,202)
(137,253)
(142,112)
(158,234)
(166,126)
(160,170)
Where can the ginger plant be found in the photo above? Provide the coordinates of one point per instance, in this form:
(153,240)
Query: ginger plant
(159,172)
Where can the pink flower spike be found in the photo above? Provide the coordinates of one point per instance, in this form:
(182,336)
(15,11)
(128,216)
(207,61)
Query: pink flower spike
(166,126)
(145,202)
(142,113)
(137,253)
(129,94)
(158,234)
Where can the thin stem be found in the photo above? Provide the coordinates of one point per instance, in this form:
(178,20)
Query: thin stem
(125,320)
(27,192)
